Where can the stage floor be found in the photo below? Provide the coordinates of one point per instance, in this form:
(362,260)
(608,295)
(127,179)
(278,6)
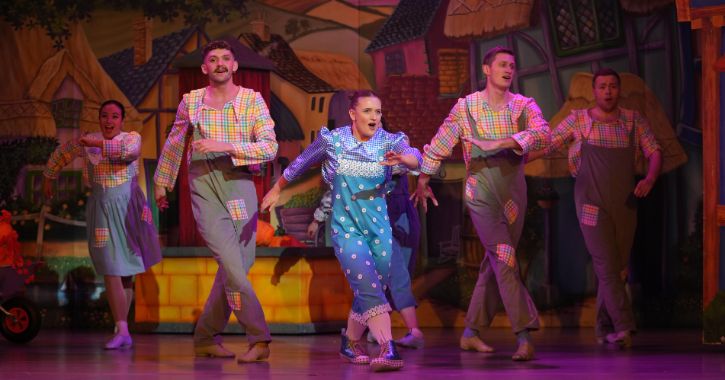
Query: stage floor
(561,354)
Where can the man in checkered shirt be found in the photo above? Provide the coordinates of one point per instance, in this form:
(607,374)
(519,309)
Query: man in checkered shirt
(496,128)
(603,141)
(231,128)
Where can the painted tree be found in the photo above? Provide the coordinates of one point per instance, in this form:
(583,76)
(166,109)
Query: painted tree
(55,16)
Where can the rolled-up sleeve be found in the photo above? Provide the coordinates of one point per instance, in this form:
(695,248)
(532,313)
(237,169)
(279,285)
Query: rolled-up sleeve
(445,139)
(562,134)
(263,146)
(126,149)
(171,154)
(62,156)
(647,140)
(536,135)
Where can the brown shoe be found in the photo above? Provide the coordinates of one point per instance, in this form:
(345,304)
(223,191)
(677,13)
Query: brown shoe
(524,353)
(257,352)
(474,343)
(213,351)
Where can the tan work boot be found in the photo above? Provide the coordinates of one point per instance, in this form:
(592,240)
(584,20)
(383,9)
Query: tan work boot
(474,343)
(213,351)
(257,352)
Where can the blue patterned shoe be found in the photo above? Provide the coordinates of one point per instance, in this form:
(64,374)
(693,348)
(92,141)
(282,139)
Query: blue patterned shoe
(388,359)
(353,350)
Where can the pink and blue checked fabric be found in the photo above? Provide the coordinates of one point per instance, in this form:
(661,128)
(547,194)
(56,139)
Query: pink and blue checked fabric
(590,215)
(237,209)
(491,124)
(100,238)
(243,122)
(234,299)
(506,254)
(117,164)
(511,210)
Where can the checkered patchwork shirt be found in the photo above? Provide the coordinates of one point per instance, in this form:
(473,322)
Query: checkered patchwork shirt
(615,134)
(243,122)
(113,164)
(490,125)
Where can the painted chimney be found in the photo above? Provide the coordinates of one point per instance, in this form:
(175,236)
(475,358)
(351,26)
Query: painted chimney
(142,41)
(260,27)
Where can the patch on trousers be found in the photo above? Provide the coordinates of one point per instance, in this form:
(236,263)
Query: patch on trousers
(237,209)
(100,237)
(471,184)
(589,216)
(234,299)
(146,215)
(511,210)
(506,254)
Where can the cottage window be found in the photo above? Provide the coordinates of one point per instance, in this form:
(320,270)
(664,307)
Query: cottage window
(312,106)
(394,62)
(582,25)
(322,103)
(67,112)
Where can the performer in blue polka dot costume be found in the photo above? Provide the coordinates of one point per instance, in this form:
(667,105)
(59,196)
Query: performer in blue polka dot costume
(357,163)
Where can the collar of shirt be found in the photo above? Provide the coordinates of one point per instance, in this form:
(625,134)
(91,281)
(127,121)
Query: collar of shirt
(622,117)
(231,102)
(487,106)
(370,147)
(206,107)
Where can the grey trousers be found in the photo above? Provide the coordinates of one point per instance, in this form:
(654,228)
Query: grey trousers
(224,203)
(496,201)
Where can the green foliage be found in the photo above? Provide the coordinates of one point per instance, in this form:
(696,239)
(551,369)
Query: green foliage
(55,16)
(74,209)
(310,198)
(52,15)
(14,154)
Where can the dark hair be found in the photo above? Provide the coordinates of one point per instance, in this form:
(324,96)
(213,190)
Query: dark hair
(605,72)
(115,103)
(493,52)
(217,44)
(356,95)
(384,124)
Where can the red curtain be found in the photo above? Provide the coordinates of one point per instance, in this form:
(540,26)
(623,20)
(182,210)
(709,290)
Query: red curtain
(190,79)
